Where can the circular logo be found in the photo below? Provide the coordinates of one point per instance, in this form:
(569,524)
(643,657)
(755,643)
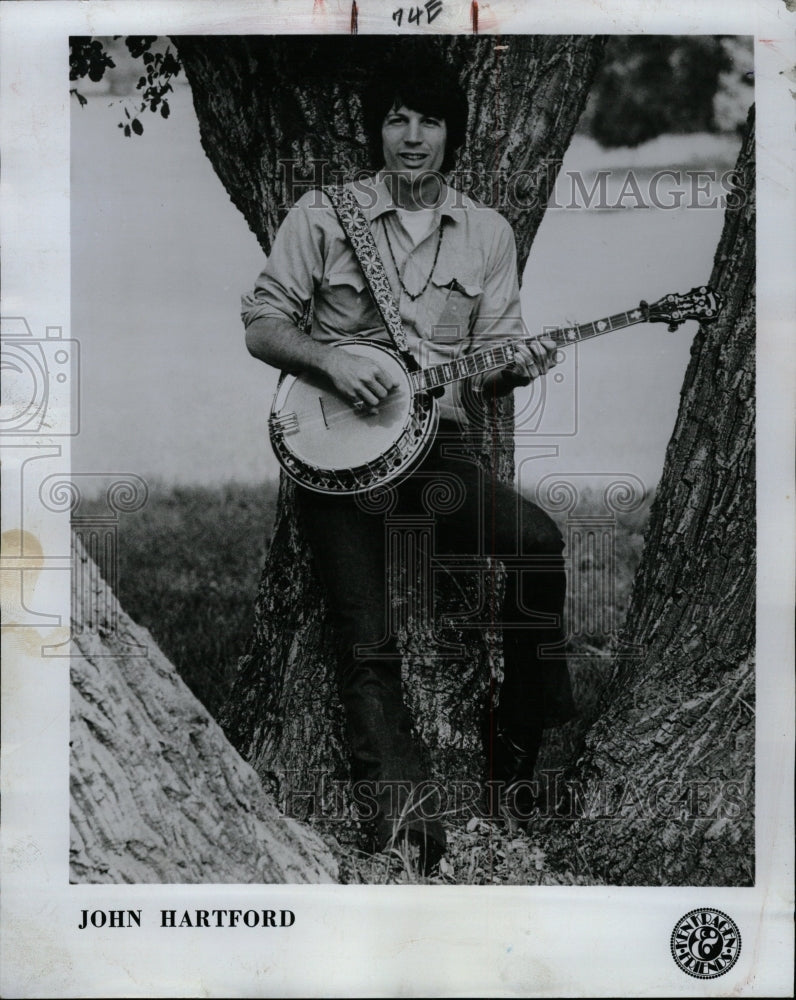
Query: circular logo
(706,943)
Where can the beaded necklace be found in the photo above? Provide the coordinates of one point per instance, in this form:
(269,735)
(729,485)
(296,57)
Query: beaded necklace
(404,289)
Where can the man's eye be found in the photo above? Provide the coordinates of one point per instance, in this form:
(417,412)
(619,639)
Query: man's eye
(436,122)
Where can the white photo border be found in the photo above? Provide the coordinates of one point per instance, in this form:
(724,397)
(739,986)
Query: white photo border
(362,940)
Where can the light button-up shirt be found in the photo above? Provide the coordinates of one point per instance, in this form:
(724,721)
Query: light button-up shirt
(471,294)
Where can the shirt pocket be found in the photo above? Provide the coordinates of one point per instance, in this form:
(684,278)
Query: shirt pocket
(455,305)
(347,300)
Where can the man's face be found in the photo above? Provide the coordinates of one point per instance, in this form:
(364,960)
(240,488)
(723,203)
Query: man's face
(413,142)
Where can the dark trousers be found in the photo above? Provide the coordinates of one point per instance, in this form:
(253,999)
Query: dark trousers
(473,515)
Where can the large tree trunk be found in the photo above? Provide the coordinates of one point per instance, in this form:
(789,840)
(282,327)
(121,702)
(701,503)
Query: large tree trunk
(260,101)
(668,768)
(142,743)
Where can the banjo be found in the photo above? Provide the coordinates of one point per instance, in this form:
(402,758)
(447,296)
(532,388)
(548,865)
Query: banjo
(326,445)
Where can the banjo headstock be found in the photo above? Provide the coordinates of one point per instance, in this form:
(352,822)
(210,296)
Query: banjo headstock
(702,304)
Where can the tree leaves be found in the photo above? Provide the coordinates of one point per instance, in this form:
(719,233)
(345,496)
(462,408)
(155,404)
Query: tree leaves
(89,58)
(137,45)
(160,68)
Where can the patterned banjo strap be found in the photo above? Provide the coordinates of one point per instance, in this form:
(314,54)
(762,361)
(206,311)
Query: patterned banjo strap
(357,229)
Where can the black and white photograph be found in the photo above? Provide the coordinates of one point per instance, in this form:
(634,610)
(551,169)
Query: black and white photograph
(398,513)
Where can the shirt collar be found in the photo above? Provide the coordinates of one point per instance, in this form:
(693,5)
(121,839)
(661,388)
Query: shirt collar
(378,200)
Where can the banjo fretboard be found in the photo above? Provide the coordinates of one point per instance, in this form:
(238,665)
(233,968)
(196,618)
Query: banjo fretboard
(503,354)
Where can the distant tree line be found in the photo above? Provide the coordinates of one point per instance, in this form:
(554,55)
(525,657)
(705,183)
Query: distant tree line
(650,85)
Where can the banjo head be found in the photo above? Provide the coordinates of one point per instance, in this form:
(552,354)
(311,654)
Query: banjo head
(320,427)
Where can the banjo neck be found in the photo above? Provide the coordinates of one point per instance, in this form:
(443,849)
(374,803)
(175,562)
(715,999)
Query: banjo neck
(503,354)
(701,303)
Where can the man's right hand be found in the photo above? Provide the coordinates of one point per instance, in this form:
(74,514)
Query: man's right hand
(358,379)
(277,341)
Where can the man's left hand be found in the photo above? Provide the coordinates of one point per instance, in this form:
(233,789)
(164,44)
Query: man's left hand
(530,362)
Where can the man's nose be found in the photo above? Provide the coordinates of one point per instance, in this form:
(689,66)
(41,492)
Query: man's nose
(412,131)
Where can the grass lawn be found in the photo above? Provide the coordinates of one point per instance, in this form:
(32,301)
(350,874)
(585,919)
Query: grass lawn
(189,566)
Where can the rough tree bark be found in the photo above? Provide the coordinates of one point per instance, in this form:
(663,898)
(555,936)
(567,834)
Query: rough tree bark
(142,745)
(671,759)
(262,101)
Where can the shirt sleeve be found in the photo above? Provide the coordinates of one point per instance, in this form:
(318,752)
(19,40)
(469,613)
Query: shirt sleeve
(498,317)
(285,285)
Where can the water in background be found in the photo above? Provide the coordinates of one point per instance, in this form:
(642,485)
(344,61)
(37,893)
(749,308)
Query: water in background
(160,257)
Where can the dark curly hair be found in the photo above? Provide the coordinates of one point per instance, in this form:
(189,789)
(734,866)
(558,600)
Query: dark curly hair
(426,85)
